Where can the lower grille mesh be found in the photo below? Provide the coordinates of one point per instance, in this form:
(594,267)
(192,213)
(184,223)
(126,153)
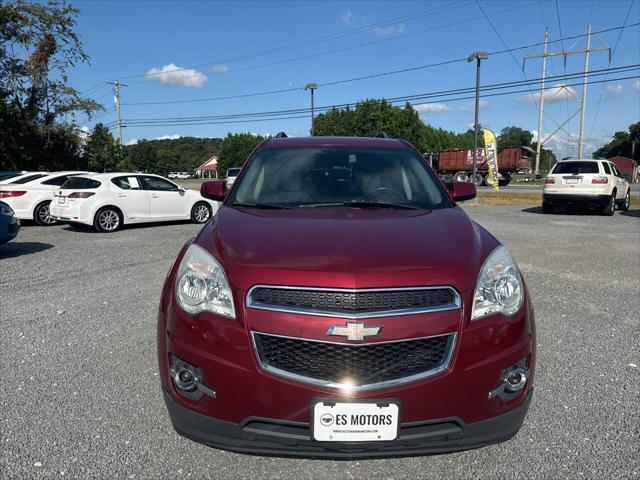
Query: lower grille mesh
(362,364)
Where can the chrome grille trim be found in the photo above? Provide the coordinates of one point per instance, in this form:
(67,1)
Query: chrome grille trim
(357,388)
(250,303)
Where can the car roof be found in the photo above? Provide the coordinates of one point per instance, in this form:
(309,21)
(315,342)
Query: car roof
(109,176)
(580,160)
(379,142)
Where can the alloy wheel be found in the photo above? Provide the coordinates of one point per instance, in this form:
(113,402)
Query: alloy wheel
(201,213)
(109,220)
(44,215)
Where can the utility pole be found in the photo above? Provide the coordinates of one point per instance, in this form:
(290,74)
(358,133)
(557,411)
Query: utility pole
(116,91)
(311,87)
(541,109)
(478,57)
(584,92)
(582,109)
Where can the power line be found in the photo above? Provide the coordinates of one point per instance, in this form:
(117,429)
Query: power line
(351,47)
(225,122)
(303,111)
(565,68)
(363,77)
(321,39)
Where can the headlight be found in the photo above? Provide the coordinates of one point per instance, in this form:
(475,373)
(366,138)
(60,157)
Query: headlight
(499,287)
(201,284)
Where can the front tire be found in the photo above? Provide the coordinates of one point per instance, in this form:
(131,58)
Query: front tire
(546,208)
(611,206)
(200,213)
(42,215)
(107,220)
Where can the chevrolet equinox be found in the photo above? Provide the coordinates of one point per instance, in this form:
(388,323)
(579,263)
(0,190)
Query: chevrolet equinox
(341,304)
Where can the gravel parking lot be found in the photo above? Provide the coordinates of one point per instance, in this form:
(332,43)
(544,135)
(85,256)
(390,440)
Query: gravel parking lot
(81,397)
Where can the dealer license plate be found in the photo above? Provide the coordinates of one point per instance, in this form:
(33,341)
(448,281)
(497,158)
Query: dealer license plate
(573,181)
(355,421)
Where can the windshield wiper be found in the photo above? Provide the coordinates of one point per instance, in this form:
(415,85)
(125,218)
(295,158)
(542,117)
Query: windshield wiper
(259,205)
(362,204)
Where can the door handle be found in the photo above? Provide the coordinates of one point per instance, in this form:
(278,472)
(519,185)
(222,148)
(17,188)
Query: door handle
(121,195)
(155,195)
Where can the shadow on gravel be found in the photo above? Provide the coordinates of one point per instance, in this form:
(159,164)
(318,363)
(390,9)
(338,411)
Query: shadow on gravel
(81,228)
(18,248)
(561,211)
(631,213)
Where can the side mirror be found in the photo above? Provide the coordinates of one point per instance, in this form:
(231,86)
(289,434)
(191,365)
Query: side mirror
(214,190)
(461,191)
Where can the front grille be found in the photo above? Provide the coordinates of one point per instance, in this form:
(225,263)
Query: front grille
(366,365)
(353,303)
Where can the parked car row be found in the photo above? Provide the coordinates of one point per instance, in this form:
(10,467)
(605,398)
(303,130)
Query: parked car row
(106,201)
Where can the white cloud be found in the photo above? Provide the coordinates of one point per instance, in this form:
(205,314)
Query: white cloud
(84,133)
(469,107)
(174,75)
(431,107)
(636,85)
(389,29)
(133,141)
(551,95)
(169,137)
(220,68)
(613,90)
(347,17)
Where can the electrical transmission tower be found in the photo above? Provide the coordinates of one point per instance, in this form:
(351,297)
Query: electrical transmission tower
(583,99)
(116,99)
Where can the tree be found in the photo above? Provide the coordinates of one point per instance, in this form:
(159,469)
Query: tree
(374,117)
(623,144)
(514,137)
(38,47)
(235,149)
(101,150)
(184,154)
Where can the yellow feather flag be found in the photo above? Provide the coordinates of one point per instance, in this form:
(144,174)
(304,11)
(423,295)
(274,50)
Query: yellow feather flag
(491,154)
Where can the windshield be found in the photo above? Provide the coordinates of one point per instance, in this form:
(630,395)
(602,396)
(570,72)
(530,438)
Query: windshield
(328,176)
(576,168)
(233,172)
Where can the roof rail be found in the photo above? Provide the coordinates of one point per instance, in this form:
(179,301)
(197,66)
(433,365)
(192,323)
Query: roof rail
(281,135)
(382,135)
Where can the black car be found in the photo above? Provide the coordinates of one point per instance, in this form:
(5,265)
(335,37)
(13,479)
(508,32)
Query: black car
(9,225)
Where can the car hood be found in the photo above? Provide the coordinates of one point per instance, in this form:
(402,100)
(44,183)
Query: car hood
(347,247)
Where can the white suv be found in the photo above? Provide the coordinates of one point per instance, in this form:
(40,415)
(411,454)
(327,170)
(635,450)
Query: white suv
(591,183)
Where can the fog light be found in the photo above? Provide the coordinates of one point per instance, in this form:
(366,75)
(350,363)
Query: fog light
(516,380)
(185,379)
(188,379)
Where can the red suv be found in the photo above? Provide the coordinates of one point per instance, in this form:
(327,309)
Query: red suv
(340,304)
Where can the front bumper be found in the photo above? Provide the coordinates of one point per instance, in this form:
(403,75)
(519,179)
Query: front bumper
(557,199)
(285,438)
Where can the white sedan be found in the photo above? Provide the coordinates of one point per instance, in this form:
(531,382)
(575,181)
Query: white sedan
(109,200)
(31,195)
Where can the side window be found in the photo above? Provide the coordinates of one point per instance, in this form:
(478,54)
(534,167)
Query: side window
(57,181)
(616,172)
(607,170)
(157,183)
(126,183)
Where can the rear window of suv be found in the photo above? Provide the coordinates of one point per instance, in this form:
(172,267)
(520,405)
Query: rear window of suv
(28,178)
(80,183)
(576,168)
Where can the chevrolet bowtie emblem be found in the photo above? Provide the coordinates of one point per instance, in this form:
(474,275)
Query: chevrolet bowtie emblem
(354,331)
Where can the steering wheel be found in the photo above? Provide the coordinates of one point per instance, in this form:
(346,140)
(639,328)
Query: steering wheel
(381,191)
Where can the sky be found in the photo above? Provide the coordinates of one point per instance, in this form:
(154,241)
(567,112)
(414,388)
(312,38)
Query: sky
(188,51)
